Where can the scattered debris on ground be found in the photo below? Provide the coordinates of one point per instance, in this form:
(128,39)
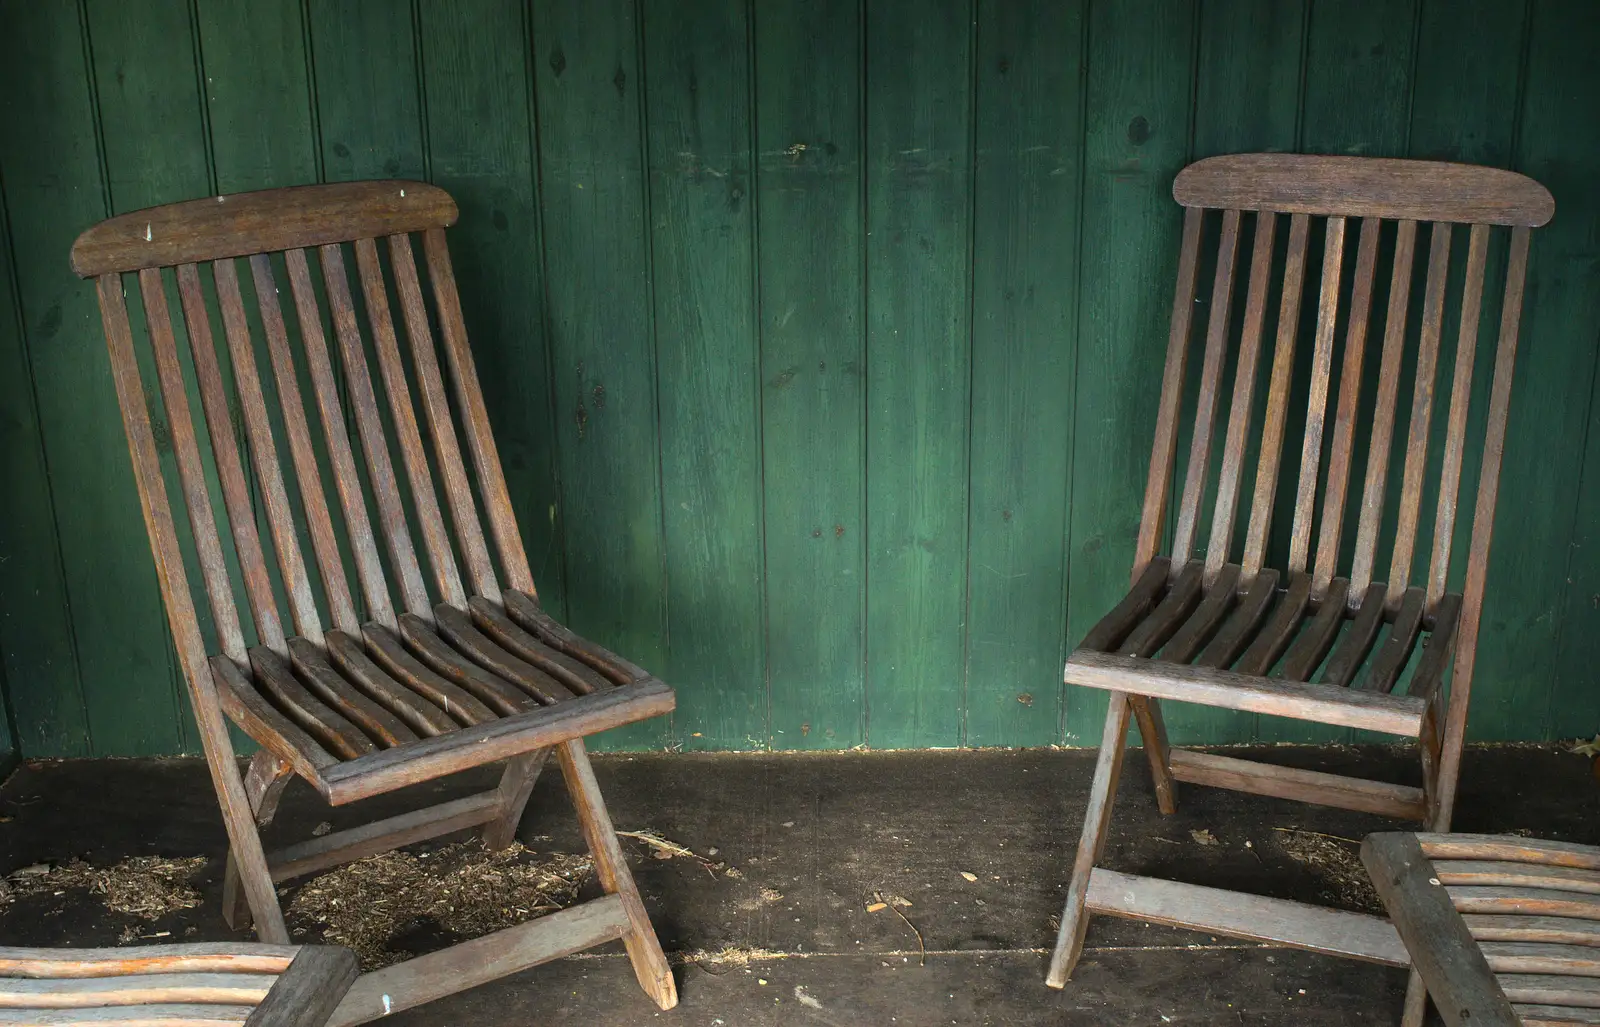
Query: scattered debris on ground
(881,900)
(729,957)
(1203,837)
(463,887)
(1338,861)
(148,887)
(666,848)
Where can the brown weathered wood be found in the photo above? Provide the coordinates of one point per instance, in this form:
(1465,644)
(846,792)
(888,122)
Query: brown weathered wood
(1277,413)
(1377,187)
(1280,628)
(1382,431)
(1169,614)
(1552,930)
(441,425)
(387,650)
(458,629)
(309,991)
(263,722)
(1232,914)
(1442,951)
(1194,480)
(277,681)
(419,714)
(1152,519)
(1550,990)
(469,397)
(1317,402)
(230,469)
(1510,848)
(1393,714)
(1396,650)
(1203,768)
(171,1014)
(1316,638)
(511,797)
(1528,901)
(318,675)
(1534,1015)
(524,609)
(1456,427)
(346,480)
(267,221)
(1540,958)
(1344,419)
(1203,622)
(1240,628)
(434,651)
(1242,403)
(338,847)
(1111,629)
(1438,649)
(440,554)
(577,676)
(135,989)
(1513,874)
(1357,642)
(1157,751)
(194,957)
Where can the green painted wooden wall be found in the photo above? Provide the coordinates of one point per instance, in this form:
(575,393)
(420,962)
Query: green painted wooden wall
(821,336)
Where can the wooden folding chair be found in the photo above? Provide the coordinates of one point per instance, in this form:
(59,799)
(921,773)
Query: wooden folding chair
(410,684)
(1303,640)
(201,985)
(1503,930)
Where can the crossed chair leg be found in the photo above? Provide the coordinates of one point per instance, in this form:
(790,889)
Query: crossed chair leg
(620,914)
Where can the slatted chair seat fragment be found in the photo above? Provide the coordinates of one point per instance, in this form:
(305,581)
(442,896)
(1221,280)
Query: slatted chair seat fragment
(197,985)
(440,658)
(1503,930)
(1307,623)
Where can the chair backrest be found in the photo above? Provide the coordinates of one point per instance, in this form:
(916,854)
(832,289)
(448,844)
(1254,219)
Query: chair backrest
(1402,207)
(283,233)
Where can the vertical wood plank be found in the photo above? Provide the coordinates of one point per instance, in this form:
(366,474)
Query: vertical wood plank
(1026,211)
(477,81)
(698,109)
(368,100)
(1305,502)
(809,261)
(602,332)
(1136,139)
(918,157)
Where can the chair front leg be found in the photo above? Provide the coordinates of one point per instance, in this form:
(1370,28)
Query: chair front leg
(644,950)
(516,785)
(1153,729)
(1102,795)
(264,783)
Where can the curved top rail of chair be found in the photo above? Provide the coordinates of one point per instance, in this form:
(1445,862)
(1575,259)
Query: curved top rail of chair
(1409,190)
(259,222)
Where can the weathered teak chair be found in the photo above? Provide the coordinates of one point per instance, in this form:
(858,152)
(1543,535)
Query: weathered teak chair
(411,684)
(1293,641)
(203,985)
(1503,930)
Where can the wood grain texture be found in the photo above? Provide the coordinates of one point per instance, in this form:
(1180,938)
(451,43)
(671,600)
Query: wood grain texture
(191,957)
(1380,797)
(307,993)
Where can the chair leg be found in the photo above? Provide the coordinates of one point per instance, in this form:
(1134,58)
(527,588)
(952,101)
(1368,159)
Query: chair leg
(1102,795)
(1153,729)
(516,784)
(263,787)
(1416,1002)
(644,950)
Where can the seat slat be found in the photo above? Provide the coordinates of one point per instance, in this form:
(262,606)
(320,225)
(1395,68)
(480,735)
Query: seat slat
(177,1014)
(1194,482)
(1437,648)
(1341,451)
(404,418)
(524,609)
(134,989)
(363,542)
(1396,650)
(1526,901)
(1510,848)
(1551,989)
(1316,638)
(577,676)
(325,682)
(1242,403)
(423,716)
(263,722)
(197,957)
(437,654)
(1532,1015)
(1198,629)
(1169,614)
(1237,632)
(441,425)
(1556,930)
(1352,650)
(1277,413)
(387,649)
(1317,401)
(278,682)
(457,628)
(1111,629)
(1513,874)
(1280,628)
(1382,433)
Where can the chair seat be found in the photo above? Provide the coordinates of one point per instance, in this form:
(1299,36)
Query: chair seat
(196,985)
(1255,646)
(360,716)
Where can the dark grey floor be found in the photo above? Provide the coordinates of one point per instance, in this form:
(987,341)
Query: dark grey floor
(825,832)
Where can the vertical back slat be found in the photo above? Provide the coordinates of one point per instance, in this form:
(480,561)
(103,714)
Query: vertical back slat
(385,487)
(469,395)
(1394,335)
(324,543)
(1405,538)
(1194,479)
(1272,428)
(363,545)
(1305,500)
(1155,492)
(440,554)
(1344,418)
(264,453)
(197,497)
(1244,389)
(1460,398)
(436,406)
(230,468)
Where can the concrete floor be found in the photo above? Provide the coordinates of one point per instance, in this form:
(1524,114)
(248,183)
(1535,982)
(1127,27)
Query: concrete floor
(823,833)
